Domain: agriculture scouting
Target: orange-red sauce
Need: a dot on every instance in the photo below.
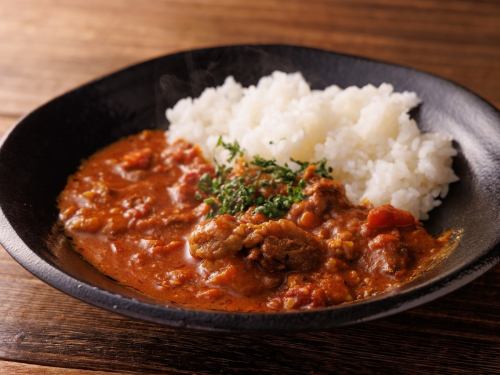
(132, 206)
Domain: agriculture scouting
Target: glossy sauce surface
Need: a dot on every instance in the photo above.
(133, 211)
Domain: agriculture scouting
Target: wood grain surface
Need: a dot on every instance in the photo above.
(50, 46)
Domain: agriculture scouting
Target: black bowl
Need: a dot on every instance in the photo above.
(45, 147)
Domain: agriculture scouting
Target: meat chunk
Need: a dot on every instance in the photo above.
(324, 196)
(287, 253)
(217, 238)
(282, 245)
(387, 254)
(275, 245)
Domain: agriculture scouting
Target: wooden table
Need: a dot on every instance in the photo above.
(50, 46)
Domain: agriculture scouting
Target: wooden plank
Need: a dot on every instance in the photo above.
(75, 41)
(6, 122)
(41, 325)
(28, 369)
(50, 46)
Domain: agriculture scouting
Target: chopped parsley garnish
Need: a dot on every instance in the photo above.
(278, 205)
(321, 169)
(279, 173)
(268, 186)
(233, 148)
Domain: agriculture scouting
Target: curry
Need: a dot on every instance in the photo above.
(160, 218)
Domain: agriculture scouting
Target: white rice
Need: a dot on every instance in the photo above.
(365, 134)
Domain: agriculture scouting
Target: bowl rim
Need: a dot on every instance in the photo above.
(380, 306)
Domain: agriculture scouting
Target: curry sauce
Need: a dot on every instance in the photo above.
(136, 212)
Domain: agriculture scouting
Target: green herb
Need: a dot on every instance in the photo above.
(233, 148)
(280, 173)
(210, 202)
(321, 169)
(278, 205)
(231, 194)
(205, 183)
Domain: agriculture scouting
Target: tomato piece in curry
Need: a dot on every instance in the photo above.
(133, 210)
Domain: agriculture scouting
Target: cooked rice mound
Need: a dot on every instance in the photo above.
(365, 134)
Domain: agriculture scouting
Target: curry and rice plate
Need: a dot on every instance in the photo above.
(266, 198)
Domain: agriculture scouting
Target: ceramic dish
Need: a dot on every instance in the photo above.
(46, 146)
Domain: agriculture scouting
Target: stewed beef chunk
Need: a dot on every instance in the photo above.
(275, 245)
(282, 245)
(323, 196)
(216, 238)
